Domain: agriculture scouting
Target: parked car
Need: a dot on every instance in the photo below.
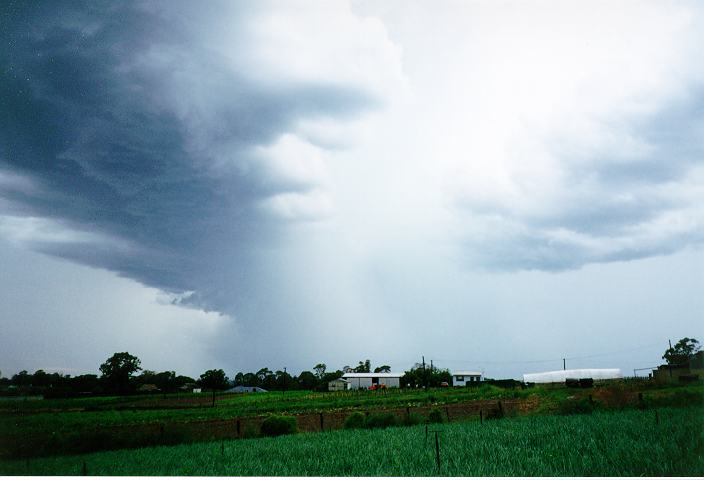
(444, 384)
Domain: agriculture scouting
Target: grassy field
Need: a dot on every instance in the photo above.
(46, 427)
(610, 443)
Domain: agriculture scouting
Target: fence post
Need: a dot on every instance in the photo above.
(321, 422)
(437, 450)
(447, 412)
(481, 417)
(238, 428)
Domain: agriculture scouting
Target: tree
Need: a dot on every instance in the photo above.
(118, 371)
(382, 369)
(214, 380)
(166, 381)
(364, 367)
(320, 370)
(307, 380)
(417, 376)
(682, 351)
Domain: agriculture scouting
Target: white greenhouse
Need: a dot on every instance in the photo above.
(559, 376)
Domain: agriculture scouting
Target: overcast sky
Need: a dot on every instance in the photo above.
(493, 185)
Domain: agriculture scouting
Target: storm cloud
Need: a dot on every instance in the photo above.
(149, 139)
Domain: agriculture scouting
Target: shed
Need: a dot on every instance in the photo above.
(462, 378)
(337, 385)
(560, 376)
(373, 380)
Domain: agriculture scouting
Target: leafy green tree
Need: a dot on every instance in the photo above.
(166, 381)
(382, 369)
(41, 379)
(118, 372)
(364, 367)
(239, 378)
(307, 380)
(22, 379)
(320, 370)
(214, 380)
(418, 376)
(85, 383)
(250, 380)
(682, 351)
(182, 380)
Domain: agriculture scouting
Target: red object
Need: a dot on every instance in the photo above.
(444, 384)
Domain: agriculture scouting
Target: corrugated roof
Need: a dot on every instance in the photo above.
(465, 372)
(370, 375)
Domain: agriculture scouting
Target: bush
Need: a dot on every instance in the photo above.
(277, 425)
(382, 420)
(573, 405)
(356, 420)
(250, 431)
(413, 419)
(435, 416)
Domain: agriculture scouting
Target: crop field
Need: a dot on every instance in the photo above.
(609, 443)
(38, 428)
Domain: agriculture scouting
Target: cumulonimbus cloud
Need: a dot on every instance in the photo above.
(160, 140)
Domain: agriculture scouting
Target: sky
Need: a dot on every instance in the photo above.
(494, 186)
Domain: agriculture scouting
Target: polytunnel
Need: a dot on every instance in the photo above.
(559, 376)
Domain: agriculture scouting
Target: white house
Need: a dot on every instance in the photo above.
(367, 380)
(464, 378)
(338, 385)
(559, 376)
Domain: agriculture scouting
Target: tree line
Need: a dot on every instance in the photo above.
(122, 374)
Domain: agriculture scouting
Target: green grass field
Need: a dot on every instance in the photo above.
(48, 427)
(611, 443)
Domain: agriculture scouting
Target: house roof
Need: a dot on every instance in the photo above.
(465, 372)
(339, 380)
(370, 375)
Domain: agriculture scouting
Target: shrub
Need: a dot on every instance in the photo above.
(382, 420)
(250, 431)
(277, 425)
(356, 420)
(413, 419)
(435, 416)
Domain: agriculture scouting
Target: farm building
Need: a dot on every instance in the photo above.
(689, 371)
(463, 378)
(244, 389)
(559, 376)
(337, 385)
(368, 380)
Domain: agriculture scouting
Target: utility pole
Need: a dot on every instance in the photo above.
(670, 363)
(425, 377)
(431, 369)
(564, 365)
(285, 381)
